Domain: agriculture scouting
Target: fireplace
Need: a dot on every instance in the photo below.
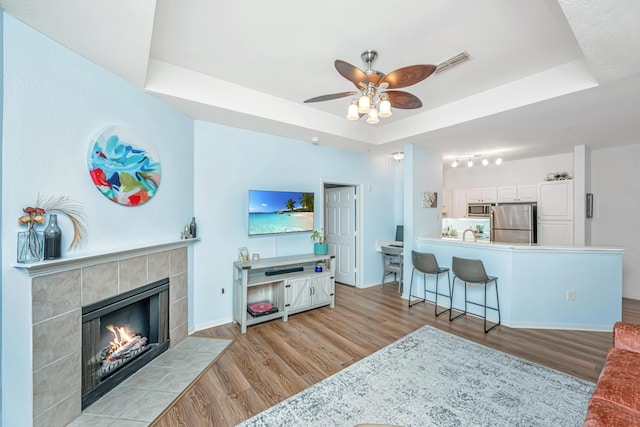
(120, 335)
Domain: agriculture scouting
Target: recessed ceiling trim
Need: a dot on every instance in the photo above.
(447, 64)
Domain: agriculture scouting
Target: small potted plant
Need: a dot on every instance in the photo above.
(321, 247)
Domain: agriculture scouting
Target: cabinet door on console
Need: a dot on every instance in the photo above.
(322, 290)
(298, 293)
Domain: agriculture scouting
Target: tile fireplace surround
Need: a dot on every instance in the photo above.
(58, 295)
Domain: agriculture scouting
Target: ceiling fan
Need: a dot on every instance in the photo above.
(373, 97)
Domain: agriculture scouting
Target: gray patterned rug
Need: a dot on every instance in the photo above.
(433, 378)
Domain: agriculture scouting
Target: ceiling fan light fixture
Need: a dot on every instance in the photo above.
(352, 112)
(371, 85)
(385, 106)
(485, 162)
(499, 161)
(364, 104)
(372, 118)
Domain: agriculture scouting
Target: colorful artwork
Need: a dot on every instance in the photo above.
(124, 170)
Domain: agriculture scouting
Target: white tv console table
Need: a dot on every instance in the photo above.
(290, 292)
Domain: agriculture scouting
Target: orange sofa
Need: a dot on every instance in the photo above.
(616, 398)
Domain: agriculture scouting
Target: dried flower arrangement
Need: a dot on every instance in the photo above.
(32, 248)
(64, 205)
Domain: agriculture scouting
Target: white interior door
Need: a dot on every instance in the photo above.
(340, 228)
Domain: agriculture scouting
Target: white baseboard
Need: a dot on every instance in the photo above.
(561, 326)
(371, 285)
(209, 324)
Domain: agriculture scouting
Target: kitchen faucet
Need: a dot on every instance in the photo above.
(464, 235)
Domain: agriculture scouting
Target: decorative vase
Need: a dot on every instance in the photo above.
(320, 248)
(192, 227)
(52, 238)
(30, 246)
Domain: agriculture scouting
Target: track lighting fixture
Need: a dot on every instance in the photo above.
(483, 158)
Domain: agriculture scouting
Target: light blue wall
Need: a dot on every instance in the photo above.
(229, 162)
(54, 103)
(1, 150)
(423, 172)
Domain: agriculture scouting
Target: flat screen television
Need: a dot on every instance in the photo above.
(276, 212)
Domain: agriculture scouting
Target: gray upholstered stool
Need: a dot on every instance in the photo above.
(472, 271)
(426, 263)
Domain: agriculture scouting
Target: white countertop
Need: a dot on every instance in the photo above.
(459, 238)
(525, 247)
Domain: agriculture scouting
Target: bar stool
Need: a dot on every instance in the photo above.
(426, 263)
(472, 271)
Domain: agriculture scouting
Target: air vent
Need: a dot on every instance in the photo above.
(447, 64)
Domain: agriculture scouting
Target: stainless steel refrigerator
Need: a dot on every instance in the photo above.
(514, 223)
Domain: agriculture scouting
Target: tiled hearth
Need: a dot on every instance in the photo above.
(143, 396)
(57, 300)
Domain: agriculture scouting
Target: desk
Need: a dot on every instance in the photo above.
(381, 243)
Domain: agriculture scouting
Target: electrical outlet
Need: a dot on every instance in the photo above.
(571, 295)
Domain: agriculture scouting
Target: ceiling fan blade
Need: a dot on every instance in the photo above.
(403, 100)
(408, 76)
(352, 73)
(330, 97)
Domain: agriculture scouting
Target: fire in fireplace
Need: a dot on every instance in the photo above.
(124, 347)
(122, 334)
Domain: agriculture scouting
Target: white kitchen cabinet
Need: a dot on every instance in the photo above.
(528, 193)
(482, 195)
(555, 200)
(518, 193)
(555, 233)
(446, 202)
(308, 292)
(474, 195)
(458, 203)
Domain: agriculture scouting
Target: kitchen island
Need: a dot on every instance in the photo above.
(549, 287)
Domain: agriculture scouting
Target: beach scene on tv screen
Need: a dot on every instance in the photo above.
(273, 212)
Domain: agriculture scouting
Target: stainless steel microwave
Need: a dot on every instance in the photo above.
(479, 209)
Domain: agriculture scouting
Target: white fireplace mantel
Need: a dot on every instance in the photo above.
(68, 263)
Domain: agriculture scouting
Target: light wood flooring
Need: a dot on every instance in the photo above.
(275, 360)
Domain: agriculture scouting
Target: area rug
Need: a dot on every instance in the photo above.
(433, 378)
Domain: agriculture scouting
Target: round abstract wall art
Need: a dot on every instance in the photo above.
(122, 167)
